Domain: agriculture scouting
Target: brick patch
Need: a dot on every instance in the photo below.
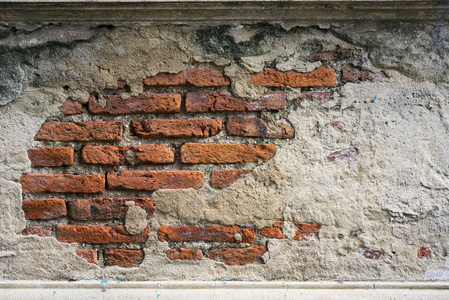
(71, 107)
(357, 75)
(330, 55)
(306, 231)
(207, 233)
(43, 209)
(51, 156)
(81, 131)
(143, 103)
(40, 230)
(224, 178)
(193, 76)
(238, 256)
(318, 77)
(62, 183)
(123, 258)
(184, 254)
(176, 128)
(273, 232)
(255, 127)
(98, 234)
(424, 252)
(90, 255)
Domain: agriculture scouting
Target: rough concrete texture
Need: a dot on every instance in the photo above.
(392, 197)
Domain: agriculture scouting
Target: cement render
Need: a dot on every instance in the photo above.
(393, 195)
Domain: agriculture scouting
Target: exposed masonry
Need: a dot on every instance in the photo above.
(69, 143)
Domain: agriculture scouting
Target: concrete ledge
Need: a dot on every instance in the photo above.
(221, 290)
(221, 12)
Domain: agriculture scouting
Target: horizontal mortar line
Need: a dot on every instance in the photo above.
(174, 285)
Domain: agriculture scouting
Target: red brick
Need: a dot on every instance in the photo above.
(316, 96)
(82, 131)
(51, 156)
(191, 77)
(318, 77)
(371, 254)
(43, 209)
(357, 75)
(123, 258)
(121, 84)
(186, 128)
(154, 180)
(63, 183)
(424, 252)
(105, 208)
(224, 101)
(306, 231)
(41, 230)
(224, 178)
(143, 103)
(207, 233)
(212, 153)
(71, 107)
(98, 234)
(125, 155)
(90, 255)
(339, 125)
(343, 154)
(255, 127)
(238, 256)
(274, 232)
(330, 55)
(184, 254)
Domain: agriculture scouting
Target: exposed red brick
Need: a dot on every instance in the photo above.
(371, 254)
(207, 233)
(176, 128)
(90, 255)
(184, 254)
(121, 84)
(62, 183)
(105, 208)
(191, 77)
(224, 101)
(316, 96)
(306, 231)
(71, 107)
(340, 126)
(212, 153)
(154, 180)
(274, 232)
(357, 75)
(123, 258)
(51, 156)
(238, 256)
(142, 103)
(43, 209)
(330, 55)
(318, 77)
(125, 155)
(98, 234)
(424, 252)
(40, 230)
(255, 127)
(82, 131)
(224, 178)
(343, 154)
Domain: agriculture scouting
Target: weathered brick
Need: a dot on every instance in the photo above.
(357, 75)
(40, 230)
(255, 127)
(191, 77)
(186, 128)
(424, 252)
(207, 233)
(306, 231)
(330, 55)
(123, 258)
(340, 126)
(44, 209)
(318, 77)
(51, 156)
(81, 131)
(224, 101)
(224, 178)
(316, 96)
(98, 234)
(90, 255)
(212, 153)
(105, 208)
(238, 256)
(142, 103)
(63, 183)
(154, 180)
(274, 232)
(370, 254)
(184, 254)
(343, 154)
(125, 155)
(71, 107)
(121, 84)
